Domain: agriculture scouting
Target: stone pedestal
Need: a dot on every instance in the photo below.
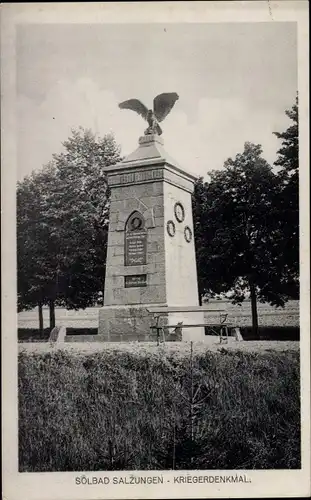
(151, 255)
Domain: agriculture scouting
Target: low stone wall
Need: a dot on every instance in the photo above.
(58, 334)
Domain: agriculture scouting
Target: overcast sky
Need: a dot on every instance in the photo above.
(234, 82)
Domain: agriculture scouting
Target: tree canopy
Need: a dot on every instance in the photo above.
(237, 231)
(62, 219)
(288, 198)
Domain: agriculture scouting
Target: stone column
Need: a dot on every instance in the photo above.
(151, 255)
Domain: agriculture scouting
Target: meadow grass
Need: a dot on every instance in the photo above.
(115, 410)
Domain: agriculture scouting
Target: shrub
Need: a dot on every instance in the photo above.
(33, 335)
(117, 410)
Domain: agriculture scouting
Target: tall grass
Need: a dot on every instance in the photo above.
(125, 411)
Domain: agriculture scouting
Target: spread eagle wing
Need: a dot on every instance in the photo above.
(163, 103)
(135, 105)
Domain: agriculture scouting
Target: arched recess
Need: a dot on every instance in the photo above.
(135, 240)
(135, 222)
(136, 206)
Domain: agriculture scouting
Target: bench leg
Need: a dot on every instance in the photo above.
(158, 335)
(157, 327)
(163, 335)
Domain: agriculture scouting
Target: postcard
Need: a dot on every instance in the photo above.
(155, 250)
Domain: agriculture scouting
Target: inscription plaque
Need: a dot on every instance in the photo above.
(135, 280)
(135, 248)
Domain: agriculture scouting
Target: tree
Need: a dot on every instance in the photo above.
(199, 207)
(66, 206)
(288, 154)
(237, 241)
(33, 254)
(288, 199)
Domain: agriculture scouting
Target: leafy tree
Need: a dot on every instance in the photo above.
(288, 199)
(237, 231)
(67, 206)
(288, 154)
(33, 254)
(199, 207)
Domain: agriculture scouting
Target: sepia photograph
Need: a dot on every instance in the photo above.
(159, 253)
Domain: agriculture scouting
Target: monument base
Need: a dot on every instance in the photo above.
(125, 324)
(132, 323)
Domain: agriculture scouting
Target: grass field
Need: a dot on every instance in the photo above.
(158, 408)
(274, 323)
(241, 315)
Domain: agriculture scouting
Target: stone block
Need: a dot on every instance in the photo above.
(116, 206)
(132, 204)
(159, 267)
(157, 278)
(151, 269)
(108, 294)
(120, 226)
(116, 265)
(124, 324)
(61, 335)
(132, 295)
(117, 281)
(129, 270)
(147, 190)
(150, 201)
(128, 192)
(172, 177)
(157, 188)
(158, 210)
(155, 293)
(150, 222)
(115, 238)
(159, 222)
(54, 334)
(118, 250)
(113, 219)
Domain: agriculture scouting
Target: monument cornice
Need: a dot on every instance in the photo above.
(156, 163)
(153, 172)
(149, 163)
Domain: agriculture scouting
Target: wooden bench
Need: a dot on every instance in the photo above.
(159, 312)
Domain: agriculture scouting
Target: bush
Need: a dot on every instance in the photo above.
(81, 331)
(272, 333)
(33, 335)
(117, 410)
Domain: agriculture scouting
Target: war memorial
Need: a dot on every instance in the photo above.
(151, 254)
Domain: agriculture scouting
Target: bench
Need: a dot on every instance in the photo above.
(158, 312)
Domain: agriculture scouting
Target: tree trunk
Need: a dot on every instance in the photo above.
(40, 311)
(52, 314)
(200, 294)
(254, 309)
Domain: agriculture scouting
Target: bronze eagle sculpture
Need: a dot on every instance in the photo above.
(162, 105)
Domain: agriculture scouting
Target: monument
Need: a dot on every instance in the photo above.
(151, 254)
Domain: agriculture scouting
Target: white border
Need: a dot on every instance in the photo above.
(50, 486)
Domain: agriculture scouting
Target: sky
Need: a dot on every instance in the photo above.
(234, 82)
